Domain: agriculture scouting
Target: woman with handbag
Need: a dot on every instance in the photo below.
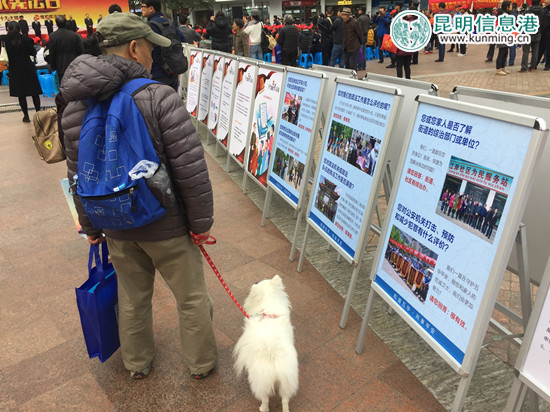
(22, 71)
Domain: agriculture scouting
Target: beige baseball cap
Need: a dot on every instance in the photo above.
(120, 28)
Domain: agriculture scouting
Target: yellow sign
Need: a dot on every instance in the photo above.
(344, 2)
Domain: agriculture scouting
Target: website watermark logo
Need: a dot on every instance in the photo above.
(410, 31)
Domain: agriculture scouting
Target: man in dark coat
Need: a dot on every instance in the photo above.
(24, 26)
(324, 24)
(89, 25)
(288, 40)
(191, 36)
(37, 27)
(71, 24)
(219, 30)
(353, 34)
(65, 46)
(337, 30)
(49, 25)
(150, 9)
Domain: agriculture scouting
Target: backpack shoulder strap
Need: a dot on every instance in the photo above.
(136, 85)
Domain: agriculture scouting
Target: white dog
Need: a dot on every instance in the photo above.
(266, 348)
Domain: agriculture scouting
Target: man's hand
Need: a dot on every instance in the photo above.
(96, 239)
(200, 238)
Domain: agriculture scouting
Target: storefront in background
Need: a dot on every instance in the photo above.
(302, 9)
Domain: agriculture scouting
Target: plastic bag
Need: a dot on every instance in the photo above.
(144, 168)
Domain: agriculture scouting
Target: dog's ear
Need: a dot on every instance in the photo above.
(277, 279)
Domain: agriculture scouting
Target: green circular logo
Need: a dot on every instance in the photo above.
(410, 31)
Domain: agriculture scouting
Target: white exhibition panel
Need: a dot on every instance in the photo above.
(535, 217)
(433, 266)
(206, 84)
(216, 92)
(242, 109)
(226, 101)
(194, 81)
(265, 115)
(295, 132)
(356, 130)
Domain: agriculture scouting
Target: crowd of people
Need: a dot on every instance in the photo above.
(465, 209)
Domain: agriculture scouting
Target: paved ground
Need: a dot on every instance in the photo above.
(43, 362)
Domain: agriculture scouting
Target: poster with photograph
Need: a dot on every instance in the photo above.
(453, 197)
(193, 87)
(226, 102)
(242, 110)
(355, 131)
(206, 83)
(264, 121)
(216, 94)
(294, 133)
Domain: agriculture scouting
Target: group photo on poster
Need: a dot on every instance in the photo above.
(291, 108)
(473, 197)
(288, 169)
(266, 110)
(409, 263)
(353, 146)
(326, 199)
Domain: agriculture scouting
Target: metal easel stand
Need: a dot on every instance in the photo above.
(518, 393)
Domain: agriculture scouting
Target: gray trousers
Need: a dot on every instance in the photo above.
(180, 264)
(534, 49)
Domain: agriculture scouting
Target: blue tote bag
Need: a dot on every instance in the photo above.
(98, 306)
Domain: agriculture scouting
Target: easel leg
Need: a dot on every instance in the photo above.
(303, 251)
(227, 163)
(349, 295)
(461, 392)
(267, 205)
(245, 180)
(365, 324)
(293, 248)
(524, 282)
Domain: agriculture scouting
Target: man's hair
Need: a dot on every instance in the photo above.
(152, 3)
(183, 18)
(289, 19)
(220, 13)
(239, 22)
(113, 8)
(329, 10)
(61, 22)
(442, 5)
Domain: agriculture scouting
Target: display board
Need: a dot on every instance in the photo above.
(194, 81)
(205, 87)
(242, 109)
(226, 102)
(533, 363)
(295, 138)
(410, 89)
(265, 118)
(346, 182)
(435, 264)
(216, 93)
(535, 217)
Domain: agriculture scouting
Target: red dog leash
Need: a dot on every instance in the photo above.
(196, 239)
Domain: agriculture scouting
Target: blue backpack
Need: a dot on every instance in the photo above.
(113, 140)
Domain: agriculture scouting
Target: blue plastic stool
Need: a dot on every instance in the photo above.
(309, 60)
(377, 53)
(303, 61)
(318, 58)
(42, 71)
(47, 84)
(267, 57)
(369, 53)
(5, 79)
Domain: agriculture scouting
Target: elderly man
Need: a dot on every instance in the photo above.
(353, 34)
(165, 244)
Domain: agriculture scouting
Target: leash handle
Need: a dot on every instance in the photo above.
(215, 269)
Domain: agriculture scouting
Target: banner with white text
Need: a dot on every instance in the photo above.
(206, 83)
(216, 94)
(193, 86)
(226, 101)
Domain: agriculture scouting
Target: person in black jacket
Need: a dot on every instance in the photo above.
(37, 27)
(24, 26)
(89, 25)
(65, 46)
(288, 40)
(71, 24)
(49, 25)
(22, 72)
(219, 31)
(324, 23)
(337, 30)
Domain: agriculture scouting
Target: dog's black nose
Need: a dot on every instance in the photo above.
(256, 283)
